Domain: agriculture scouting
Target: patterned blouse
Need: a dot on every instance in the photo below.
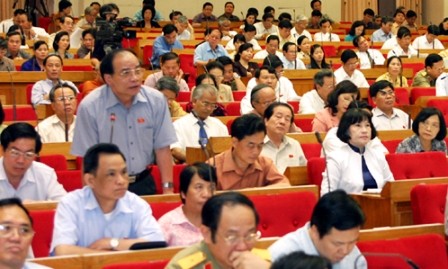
(412, 145)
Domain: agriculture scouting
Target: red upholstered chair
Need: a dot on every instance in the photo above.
(24, 113)
(147, 53)
(229, 125)
(311, 150)
(391, 145)
(295, 106)
(441, 104)
(401, 96)
(55, 161)
(78, 68)
(304, 123)
(418, 165)
(70, 179)
(183, 97)
(315, 167)
(187, 65)
(428, 203)
(43, 226)
(139, 265)
(284, 212)
(29, 89)
(415, 66)
(233, 109)
(421, 91)
(160, 208)
(238, 95)
(330, 51)
(177, 169)
(78, 163)
(426, 251)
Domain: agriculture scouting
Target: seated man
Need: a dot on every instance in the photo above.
(90, 85)
(411, 17)
(170, 66)
(384, 33)
(325, 33)
(14, 42)
(67, 25)
(289, 58)
(205, 16)
(299, 28)
(184, 30)
(368, 57)
(41, 89)
(284, 33)
(313, 23)
(165, 43)
(6, 64)
(87, 45)
(261, 97)
(103, 216)
(427, 77)
(89, 20)
(332, 233)
(224, 25)
(16, 235)
(403, 46)
(283, 150)
(429, 40)
(170, 89)
(249, 32)
(60, 126)
(314, 101)
(348, 70)
(229, 227)
(210, 49)
(198, 121)
(271, 48)
(31, 32)
(266, 27)
(230, 78)
(229, 7)
(21, 176)
(242, 166)
(385, 116)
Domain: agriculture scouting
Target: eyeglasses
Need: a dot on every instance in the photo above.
(386, 93)
(29, 155)
(430, 125)
(6, 230)
(66, 98)
(233, 239)
(202, 187)
(127, 73)
(210, 105)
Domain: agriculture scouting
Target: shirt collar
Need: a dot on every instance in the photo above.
(230, 165)
(92, 202)
(112, 100)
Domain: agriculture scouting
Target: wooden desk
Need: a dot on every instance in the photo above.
(60, 148)
(392, 207)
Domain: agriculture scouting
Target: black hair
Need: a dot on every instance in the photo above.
(92, 157)
(300, 40)
(201, 77)
(386, 19)
(63, 4)
(378, 86)
(284, 16)
(207, 4)
(286, 46)
(20, 130)
(175, 13)
(225, 60)
(316, 13)
(62, 18)
(301, 260)
(39, 43)
(90, 31)
(19, 11)
(59, 86)
(255, 91)
(272, 37)
(410, 13)
(369, 11)
(267, 16)
(433, 30)
(229, 2)
(12, 31)
(273, 61)
(268, 9)
(285, 24)
(212, 210)
(201, 169)
(423, 115)
(324, 20)
(354, 116)
(214, 65)
(359, 104)
(337, 210)
(242, 48)
(345, 86)
(150, 7)
(356, 40)
(169, 28)
(355, 25)
(252, 11)
(106, 66)
(95, 3)
(403, 32)
(58, 37)
(398, 11)
(313, 63)
(239, 37)
(14, 201)
(347, 55)
(268, 68)
(169, 56)
(247, 125)
(249, 28)
(313, 2)
(270, 110)
(432, 58)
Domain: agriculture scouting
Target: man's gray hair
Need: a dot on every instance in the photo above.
(319, 76)
(199, 91)
(167, 83)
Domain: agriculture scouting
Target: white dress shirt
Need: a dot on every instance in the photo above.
(357, 78)
(289, 153)
(442, 85)
(398, 51)
(52, 130)
(262, 54)
(292, 65)
(398, 121)
(261, 30)
(253, 41)
(326, 37)
(421, 42)
(297, 35)
(311, 103)
(366, 63)
(390, 43)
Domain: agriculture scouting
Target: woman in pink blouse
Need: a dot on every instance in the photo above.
(337, 103)
(181, 225)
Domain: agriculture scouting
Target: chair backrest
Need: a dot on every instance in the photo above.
(294, 105)
(421, 91)
(418, 165)
(24, 113)
(283, 212)
(56, 161)
(183, 97)
(29, 90)
(391, 145)
(426, 251)
(43, 226)
(428, 203)
(441, 104)
(70, 179)
(311, 150)
(238, 95)
(233, 109)
(139, 265)
(177, 169)
(147, 53)
(401, 96)
(315, 168)
(160, 208)
(306, 124)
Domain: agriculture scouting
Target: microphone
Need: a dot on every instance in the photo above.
(14, 101)
(242, 15)
(409, 121)
(112, 119)
(331, 64)
(321, 142)
(66, 126)
(385, 257)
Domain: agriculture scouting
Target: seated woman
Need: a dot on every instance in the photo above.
(429, 133)
(358, 28)
(303, 47)
(36, 63)
(283, 150)
(337, 103)
(356, 166)
(181, 225)
(394, 72)
(243, 65)
(238, 40)
(61, 45)
(317, 60)
(216, 69)
(249, 20)
(148, 13)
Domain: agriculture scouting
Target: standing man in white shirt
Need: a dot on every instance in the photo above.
(325, 34)
(348, 70)
(289, 58)
(429, 40)
(368, 57)
(198, 125)
(315, 100)
(299, 28)
(266, 27)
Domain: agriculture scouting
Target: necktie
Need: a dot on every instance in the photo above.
(203, 138)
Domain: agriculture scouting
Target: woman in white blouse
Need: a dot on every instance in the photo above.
(356, 166)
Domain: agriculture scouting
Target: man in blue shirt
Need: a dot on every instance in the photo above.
(384, 33)
(165, 43)
(210, 49)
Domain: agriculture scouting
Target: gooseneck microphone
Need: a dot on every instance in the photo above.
(382, 255)
(321, 142)
(112, 119)
(66, 125)
(14, 100)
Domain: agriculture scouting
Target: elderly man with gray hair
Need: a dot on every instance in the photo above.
(197, 126)
(89, 20)
(299, 28)
(184, 29)
(170, 89)
(314, 101)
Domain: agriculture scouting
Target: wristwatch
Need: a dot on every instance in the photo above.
(167, 185)
(114, 243)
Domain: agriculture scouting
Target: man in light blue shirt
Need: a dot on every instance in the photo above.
(332, 233)
(211, 49)
(103, 216)
(384, 33)
(165, 43)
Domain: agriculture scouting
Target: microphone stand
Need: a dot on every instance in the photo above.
(14, 100)
(66, 125)
(112, 119)
(321, 142)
